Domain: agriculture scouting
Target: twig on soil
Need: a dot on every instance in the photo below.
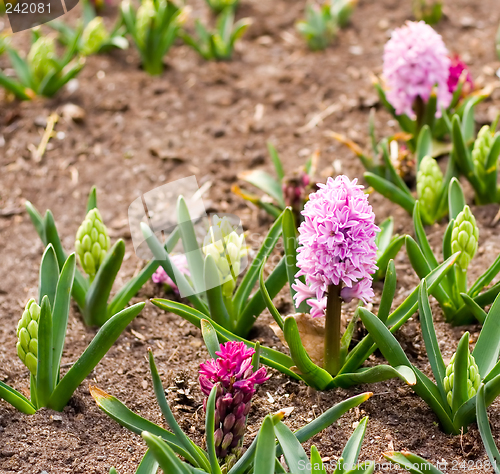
(318, 118)
(37, 153)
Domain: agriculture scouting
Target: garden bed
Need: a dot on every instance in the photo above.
(213, 120)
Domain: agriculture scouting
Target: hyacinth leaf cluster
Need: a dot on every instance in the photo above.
(219, 43)
(483, 424)
(422, 84)
(461, 304)
(322, 22)
(388, 245)
(410, 462)
(91, 293)
(429, 11)
(461, 379)
(477, 162)
(153, 28)
(41, 72)
(473, 378)
(214, 265)
(41, 334)
(280, 191)
(168, 446)
(92, 243)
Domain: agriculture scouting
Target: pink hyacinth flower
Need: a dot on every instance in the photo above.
(415, 61)
(161, 277)
(457, 68)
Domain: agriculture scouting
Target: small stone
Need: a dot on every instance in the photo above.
(73, 112)
(356, 50)
(144, 384)
(467, 22)
(383, 24)
(57, 418)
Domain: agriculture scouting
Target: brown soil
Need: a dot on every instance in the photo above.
(200, 118)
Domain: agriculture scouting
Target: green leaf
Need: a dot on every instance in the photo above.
(16, 399)
(388, 292)
(430, 338)
(485, 430)
(389, 254)
(164, 455)
(190, 244)
(424, 144)
(22, 69)
(391, 191)
(421, 238)
(266, 448)
(252, 274)
(210, 337)
(95, 351)
(447, 240)
(218, 310)
(351, 451)
(265, 182)
(44, 382)
(316, 462)
(269, 303)
(15, 87)
(383, 238)
(96, 301)
(37, 221)
(486, 278)
(456, 198)
(295, 456)
(61, 312)
(148, 465)
(461, 370)
(478, 312)
(487, 347)
(276, 161)
(188, 445)
(378, 373)
(49, 274)
(312, 374)
(209, 432)
(92, 200)
(256, 357)
(329, 417)
(410, 462)
(135, 423)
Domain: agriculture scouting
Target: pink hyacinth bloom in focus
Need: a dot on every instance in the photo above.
(233, 373)
(337, 244)
(415, 61)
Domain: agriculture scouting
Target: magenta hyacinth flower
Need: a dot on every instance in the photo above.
(233, 373)
(415, 61)
(161, 277)
(337, 244)
(457, 68)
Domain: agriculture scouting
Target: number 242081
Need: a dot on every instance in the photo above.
(27, 8)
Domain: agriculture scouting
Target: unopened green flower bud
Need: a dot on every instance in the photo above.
(473, 378)
(27, 335)
(92, 242)
(93, 36)
(464, 237)
(227, 248)
(429, 181)
(39, 56)
(482, 146)
(145, 15)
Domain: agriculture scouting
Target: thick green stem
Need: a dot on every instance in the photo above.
(461, 280)
(419, 109)
(332, 330)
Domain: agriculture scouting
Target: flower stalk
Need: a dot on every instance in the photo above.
(333, 329)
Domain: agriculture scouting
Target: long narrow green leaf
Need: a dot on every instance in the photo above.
(61, 312)
(456, 198)
(389, 254)
(92, 199)
(49, 274)
(148, 465)
(44, 383)
(210, 337)
(375, 374)
(135, 423)
(424, 143)
(478, 312)
(37, 221)
(422, 238)
(266, 448)
(295, 456)
(209, 432)
(316, 462)
(269, 302)
(190, 244)
(484, 429)
(388, 292)
(311, 373)
(16, 399)
(430, 338)
(164, 454)
(265, 182)
(461, 373)
(352, 449)
(22, 68)
(390, 191)
(252, 274)
(276, 161)
(330, 416)
(487, 347)
(411, 465)
(189, 446)
(96, 300)
(213, 289)
(485, 279)
(95, 351)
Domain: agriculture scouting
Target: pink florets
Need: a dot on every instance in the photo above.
(457, 68)
(232, 368)
(337, 243)
(160, 276)
(415, 61)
